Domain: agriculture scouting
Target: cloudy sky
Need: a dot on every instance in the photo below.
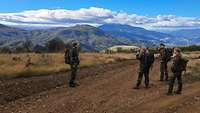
(170, 14)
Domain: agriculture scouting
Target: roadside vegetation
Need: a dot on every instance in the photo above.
(193, 71)
(39, 64)
(191, 48)
(31, 64)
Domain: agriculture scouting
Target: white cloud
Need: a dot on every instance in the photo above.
(93, 16)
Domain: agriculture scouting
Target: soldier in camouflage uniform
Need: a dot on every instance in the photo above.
(177, 69)
(145, 63)
(163, 63)
(74, 62)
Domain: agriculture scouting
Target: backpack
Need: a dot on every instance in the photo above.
(67, 56)
(183, 64)
(169, 54)
(151, 59)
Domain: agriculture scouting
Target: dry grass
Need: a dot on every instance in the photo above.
(24, 65)
(193, 55)
(193, 71)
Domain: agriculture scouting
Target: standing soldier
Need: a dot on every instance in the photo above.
(72, 58)
(145, 63)
(178, 66)
(163, 63)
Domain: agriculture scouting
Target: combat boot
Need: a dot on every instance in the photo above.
(169, 94)
(136, 87)
(72, 85)
(147, 87)
(178, 92)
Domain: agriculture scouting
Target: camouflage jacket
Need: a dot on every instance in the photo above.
(74, 56)
(163, 55)
(176, 65)
(146, 61)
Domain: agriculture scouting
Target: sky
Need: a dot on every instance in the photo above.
(150, 14)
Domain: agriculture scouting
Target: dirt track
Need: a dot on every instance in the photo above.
(104, 89)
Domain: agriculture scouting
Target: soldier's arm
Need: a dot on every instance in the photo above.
(77, 55)
(164, 55)
(153, 58)
(151, 66)
(138, 56)
(66, 55)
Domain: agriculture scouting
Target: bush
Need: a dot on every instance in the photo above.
(191, 48)
(56, 45)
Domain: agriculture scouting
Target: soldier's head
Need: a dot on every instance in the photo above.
(74, 44)
(142, 50)
(162, 45)
(177, 51)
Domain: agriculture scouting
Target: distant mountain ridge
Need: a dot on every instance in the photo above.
(192, 36)
(140, 35)
(92, 38)
(135, 33)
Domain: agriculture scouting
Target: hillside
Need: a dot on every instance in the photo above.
(138, 34)
(191, 36)
(147, 37)
(11, 35)
(91, 38)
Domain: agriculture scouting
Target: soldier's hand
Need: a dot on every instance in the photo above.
(152, 67)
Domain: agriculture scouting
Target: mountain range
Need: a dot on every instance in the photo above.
(97, 38)
(190, 36)
(91, 38)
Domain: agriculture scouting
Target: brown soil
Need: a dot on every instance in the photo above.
(103, 89)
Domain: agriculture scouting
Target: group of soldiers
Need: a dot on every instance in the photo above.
(146, 59)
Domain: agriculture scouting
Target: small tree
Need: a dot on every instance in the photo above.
(56, 45)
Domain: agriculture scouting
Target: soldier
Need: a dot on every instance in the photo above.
(72, 58)
(145, 63)
(163, 63)
(178, 66)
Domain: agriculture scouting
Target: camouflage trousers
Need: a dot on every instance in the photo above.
(140, 77)
(178, 76)
(73, 73)
(163, 71)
